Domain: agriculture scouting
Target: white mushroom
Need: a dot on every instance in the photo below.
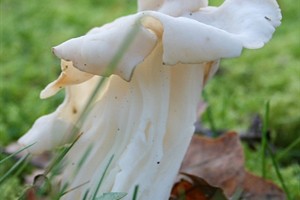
(145, 115)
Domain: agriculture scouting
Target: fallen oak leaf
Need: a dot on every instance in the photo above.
(220, 162)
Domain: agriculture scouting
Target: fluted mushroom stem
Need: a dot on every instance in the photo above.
(146, 124)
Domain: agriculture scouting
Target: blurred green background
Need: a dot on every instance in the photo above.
(28, 31)
(30, 28)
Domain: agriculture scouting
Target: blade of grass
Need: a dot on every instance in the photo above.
(266, 149)
(224, 106)
(276, 167)
(102, 178)
(264, 138)
(83, 159)
(15, 153)
(22, 166)
(237, 194)
(13, 169)
(72, 189)
(86, 194)
(287, 149)
(112, 196)
(135, 192)
(60, 156)
(58, 194)
(209, 116)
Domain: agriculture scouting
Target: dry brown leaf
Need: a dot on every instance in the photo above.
(191, 187)
(256, 188)
(186, 189)
(221, 163)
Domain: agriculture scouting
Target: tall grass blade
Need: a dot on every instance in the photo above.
(237, 194)
(58, 194)
(276, 167)
(209, 116)
(15, 153)
(264, 142)
(102, 178)
(60, 156)
(22, 167)
(13, 169)
(72, 189)
(135, 192)
(86, 194)
(83, 159)
(287, 149)
(112, 196)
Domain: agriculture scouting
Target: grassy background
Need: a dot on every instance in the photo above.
(28, 30)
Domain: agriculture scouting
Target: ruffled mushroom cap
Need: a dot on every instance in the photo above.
(205, 35)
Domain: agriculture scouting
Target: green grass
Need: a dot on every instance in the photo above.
(12, 186)
(28, 30)
(290, 173)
